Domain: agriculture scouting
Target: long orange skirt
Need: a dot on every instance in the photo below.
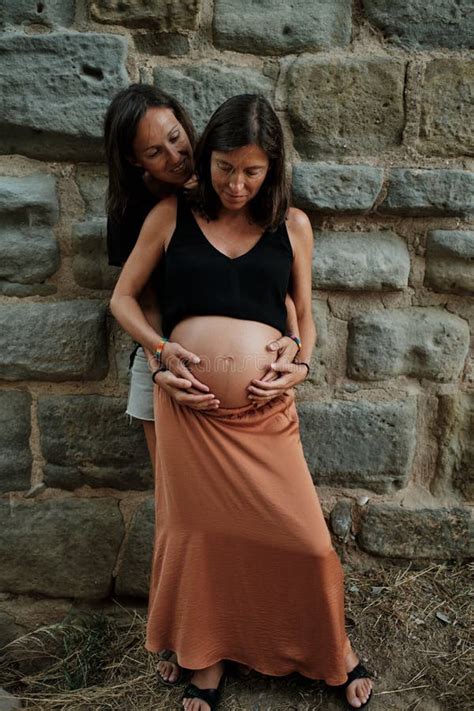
(243, 564)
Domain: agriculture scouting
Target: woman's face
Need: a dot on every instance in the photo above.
(238, 175)
(162, 147)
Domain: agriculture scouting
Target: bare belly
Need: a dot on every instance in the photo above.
(232, 353)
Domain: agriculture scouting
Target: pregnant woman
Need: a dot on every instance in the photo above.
(243, 565)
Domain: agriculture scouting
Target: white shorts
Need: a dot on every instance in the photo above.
(140, 392)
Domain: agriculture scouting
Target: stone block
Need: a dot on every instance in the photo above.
(162, 43)
(447, 107)
(421, 342)
(55, 89)
(15, 429)
(321, 356)
(64, 340)
(92, 182)
(274, 28)
(133, 578)
(456, 442)
(416, 24)
(346, 105)
(450, 261)
(329, 188)
(87, 439)
(8, 702)
(9, 631)
(29, 253)
(167, 16)
(392, 531)
(370, 261)
(47, 12)
(416, 192)
(204, 86)
(341, 518)
(90, 264)
(359, 443)
(60, 548)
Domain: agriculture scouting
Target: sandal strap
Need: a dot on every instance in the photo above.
(359, 672)
(210, 696)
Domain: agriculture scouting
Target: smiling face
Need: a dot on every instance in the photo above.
(162, 148)
(238, 175)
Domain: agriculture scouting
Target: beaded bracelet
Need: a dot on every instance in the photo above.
(159, 348)
(296, 339)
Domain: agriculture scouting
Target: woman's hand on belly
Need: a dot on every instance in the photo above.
(177, 360)
(181, 390)
(281, 376)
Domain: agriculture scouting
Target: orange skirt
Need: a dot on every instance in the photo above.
(243, 564)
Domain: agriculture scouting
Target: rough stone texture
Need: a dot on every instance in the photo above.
(87, 439)
(92, 183)
(371, 261)
(414, 191)
(15, 428)
(321, 356)
(390, 530)
(134, 574)
(341, 518)
(8, 702)
(58, 341)
(456, 441)
(163, 43)
(450, 261)
(447, 107)
(167, 16)
(205, 86)
(47, 12)
(271, 28)
(359, 443)
(28, 249)
(90, 260)
(328, 187)
(421, 342)
(416, 24)
(348, 105)
(65, 81)
(60, 548)
(9, 631)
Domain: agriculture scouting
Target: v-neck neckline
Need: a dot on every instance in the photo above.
(226, 256)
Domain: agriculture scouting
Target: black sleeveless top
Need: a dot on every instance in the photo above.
(202, 281)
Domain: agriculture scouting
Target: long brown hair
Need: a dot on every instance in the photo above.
(245, 119)
(121, 121)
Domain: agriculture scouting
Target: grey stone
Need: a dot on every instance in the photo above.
(321, 356)
(90, 264)
(359, 443)
(28, 256)
(30, 200)
(267, 27)
(456, 442)
(9, 631)
(204, 86)
(133, 577)
(58, 341)
(416, 24)
(163, 43)
(447, 107)
(65, 81)
(450, 261)
(396, 532)
(422, 342)
(414, 191)
(168, 16)
(341, 518)
(346, 105)
(370, 261)
(60, 548)
(8, 702)
(92, 183)
(328, 187)
(87, 439)
(46, 12)
(15, 429)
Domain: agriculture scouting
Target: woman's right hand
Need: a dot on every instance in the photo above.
(177, 359)
(181, 390)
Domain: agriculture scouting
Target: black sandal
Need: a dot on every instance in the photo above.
(210, 696)
(165, 656)
(359, 672)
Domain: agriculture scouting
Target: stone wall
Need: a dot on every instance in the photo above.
(376, 99)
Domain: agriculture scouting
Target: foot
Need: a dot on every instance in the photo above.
(358, 691)
(208, 678)
(168, 668)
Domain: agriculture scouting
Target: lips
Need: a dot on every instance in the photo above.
(180, 168)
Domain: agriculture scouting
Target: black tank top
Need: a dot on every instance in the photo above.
(202, 281)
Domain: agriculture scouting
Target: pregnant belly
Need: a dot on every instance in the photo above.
(232, 353)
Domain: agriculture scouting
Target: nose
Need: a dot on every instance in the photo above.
(174, 155)
(236, 182)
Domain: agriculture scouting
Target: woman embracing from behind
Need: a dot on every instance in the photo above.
(243, 565)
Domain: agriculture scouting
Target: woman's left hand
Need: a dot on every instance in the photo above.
(282, 375)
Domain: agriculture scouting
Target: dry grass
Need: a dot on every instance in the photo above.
(411, 627)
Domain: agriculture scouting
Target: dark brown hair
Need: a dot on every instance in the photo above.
(246, 119)
(121, 121)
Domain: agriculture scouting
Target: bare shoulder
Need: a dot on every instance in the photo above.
(297, 219)
(163, 211)
(299, 229)
(160, 222)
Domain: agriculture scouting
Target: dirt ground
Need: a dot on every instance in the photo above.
(409, 625)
